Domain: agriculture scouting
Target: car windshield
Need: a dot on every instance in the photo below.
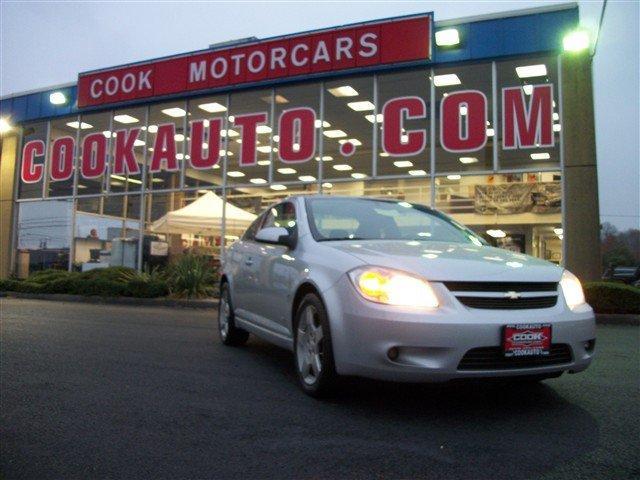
(370, 219)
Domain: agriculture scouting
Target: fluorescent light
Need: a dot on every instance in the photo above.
(558, 231)
(322, 123)
(57, 98)
(258, 181)
(528, 89)
(528, 71)
(454, 177)
(327, 185)
(575, 41)
(334, 133)
(446, 80)
(264, 149)
(235, 173)
(417, 173)
(342, 167)
(325, 158)
(403, 164)
(263, 163)
(556, 116)
(490, 132)
(496, 233)
(5, 126)
(178, 137)
(307, 178)
(263, 129)
(213, 107)
(107, 134)
(358, 175)
(276, 138)
(278, 187)
(463, 110)
(138, 143)
(540, 156)
(344, 91)
(556, 127)
(179, 156)
(124, 118)
(384, 154)
(230, 132)
(152, 129)
(125, 179)
(448, 37)
(467, 160)
(174, 112)
(82, 125)
(372, 118)
(361, 106)
(354, 141)
(287, 171)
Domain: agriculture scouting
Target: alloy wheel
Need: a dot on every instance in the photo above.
(309, 345)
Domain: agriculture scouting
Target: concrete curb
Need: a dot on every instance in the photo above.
(601, 318)
(131, 301)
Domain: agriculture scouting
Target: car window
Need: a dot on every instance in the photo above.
(250, 234)
(281, 215)
(370, 219)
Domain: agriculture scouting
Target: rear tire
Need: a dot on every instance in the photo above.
(313, 351)
(229, 334)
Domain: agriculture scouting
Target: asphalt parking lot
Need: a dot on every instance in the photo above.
(101, 391)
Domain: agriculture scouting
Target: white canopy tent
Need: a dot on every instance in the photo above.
(203, 217)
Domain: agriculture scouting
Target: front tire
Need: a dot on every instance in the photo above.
(229, 334)
(313, 352)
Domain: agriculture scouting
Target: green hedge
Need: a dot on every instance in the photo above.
(104, 282)
(612, 297)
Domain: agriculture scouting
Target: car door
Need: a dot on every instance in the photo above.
(277, 271)
(242, 270)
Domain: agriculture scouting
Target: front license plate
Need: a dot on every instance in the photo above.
(526, 340)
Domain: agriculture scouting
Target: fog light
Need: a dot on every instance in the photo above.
(590, 345)
(393, 353)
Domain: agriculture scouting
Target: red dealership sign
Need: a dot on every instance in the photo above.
(356, 46)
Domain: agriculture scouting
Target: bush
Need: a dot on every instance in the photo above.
(140, 288)
(192, 277)
(46, 276)
(113, 274)
(611, 297)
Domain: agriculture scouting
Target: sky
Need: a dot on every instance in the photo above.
(48, 43)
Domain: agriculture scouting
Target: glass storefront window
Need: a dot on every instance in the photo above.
(62, 156)
(347, 103)
(167, 137)
(287, 98)
(103, 235)
(125, 174)
(413, 83)
(207, 110)
(34, 140)
(530, 73)
(520, 212)
(95, 134)
(243, 104)
(465, 85)
(43, 236)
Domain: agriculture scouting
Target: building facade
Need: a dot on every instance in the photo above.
(488, 119)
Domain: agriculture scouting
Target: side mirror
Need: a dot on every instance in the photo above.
(275, 236)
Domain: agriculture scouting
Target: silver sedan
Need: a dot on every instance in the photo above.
(398, 291)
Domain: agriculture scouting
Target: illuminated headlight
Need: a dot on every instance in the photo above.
(572, 290)
(393, 287)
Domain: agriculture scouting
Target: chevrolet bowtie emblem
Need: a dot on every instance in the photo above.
(512, 295)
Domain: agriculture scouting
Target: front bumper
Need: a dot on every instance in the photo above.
(431, 343)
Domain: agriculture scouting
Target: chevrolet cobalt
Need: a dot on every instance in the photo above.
(398, 291)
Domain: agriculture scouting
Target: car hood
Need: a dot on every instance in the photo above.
(439, 261)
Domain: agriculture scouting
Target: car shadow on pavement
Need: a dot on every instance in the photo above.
(471, 429)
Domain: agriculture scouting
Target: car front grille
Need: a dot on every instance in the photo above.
(502, 286)
(505, 295)
(492, 303)
(492, 358)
